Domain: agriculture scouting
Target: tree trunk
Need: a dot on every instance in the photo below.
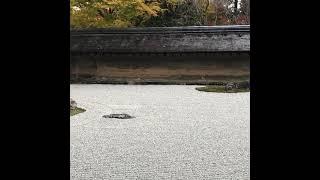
(235, 12)
(235, 6)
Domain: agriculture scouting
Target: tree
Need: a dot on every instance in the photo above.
(111, 13)
(176, 13)
(245, 11)
(128, 13)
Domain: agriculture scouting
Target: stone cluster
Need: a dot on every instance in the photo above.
(237, 85)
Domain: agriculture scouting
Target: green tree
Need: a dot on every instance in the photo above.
(145, 13)
(176, 13)
(111, 13)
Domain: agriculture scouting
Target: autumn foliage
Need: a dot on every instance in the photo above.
(141, 13)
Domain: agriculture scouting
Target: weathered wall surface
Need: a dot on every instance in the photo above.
(192, 55)
(159, 40)
(173, 70)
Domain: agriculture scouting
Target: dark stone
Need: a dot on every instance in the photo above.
(118, 116)
(244, 85)
(237, 85)
(231, 85)
(73, 104)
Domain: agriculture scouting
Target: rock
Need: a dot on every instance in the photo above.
(244, 85)
(230, 86)
(73, 104)
(118, 116)
(237, 85)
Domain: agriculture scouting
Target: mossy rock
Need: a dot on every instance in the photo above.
(76, 110)
(221, 89)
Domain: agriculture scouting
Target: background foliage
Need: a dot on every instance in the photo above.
(142, 13)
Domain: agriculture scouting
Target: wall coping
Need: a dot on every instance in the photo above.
(163, 30)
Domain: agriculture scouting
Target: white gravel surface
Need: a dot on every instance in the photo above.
(178, 133)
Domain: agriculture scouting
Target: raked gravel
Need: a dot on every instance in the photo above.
(177, 133)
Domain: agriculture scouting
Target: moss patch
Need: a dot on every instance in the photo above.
(76, 111)
(220, 89)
